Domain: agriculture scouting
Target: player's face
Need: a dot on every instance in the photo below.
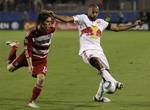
(93, 12)
(48, 23)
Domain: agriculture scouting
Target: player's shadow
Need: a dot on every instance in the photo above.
(4, 101)
(92, 105)
(70, 103)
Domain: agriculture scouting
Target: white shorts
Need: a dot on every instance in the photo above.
(86, 55)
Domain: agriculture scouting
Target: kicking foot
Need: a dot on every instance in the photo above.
(33, 105)
(12, 43)
(101, 99)
(119, 85)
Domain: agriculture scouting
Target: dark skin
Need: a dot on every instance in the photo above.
(92, 14)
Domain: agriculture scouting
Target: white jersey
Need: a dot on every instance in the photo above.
(89, 32)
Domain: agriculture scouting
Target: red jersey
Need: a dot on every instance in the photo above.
(37, 43)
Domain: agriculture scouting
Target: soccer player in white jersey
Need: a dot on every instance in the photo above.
(90, 32)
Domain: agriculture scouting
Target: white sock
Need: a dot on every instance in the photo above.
(107, 76)
(99, 92)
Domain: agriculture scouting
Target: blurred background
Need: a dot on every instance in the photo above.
(21, 14)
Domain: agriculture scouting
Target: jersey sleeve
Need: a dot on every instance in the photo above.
(78, 19)
(28, 45)
(103, 25)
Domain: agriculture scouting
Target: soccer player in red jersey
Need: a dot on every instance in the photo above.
(36, 48)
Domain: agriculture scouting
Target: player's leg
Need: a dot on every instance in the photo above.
(102, 67)
(86, 56)
(106, 76)
(99, 61)
(36, 90)
(99, 95)
(18, 62)
(39, 71)
(38, 87)
(12, 54)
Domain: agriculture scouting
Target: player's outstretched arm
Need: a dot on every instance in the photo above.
(28, 51)
(124, 27)
(62, 18)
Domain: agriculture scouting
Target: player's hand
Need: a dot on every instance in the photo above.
(48, 12)
(139, 22)
(51, 13)
(44, 11)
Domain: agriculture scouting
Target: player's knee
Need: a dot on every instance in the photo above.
(95, 63)
(40, 79)
(10, 67)
(104, 68)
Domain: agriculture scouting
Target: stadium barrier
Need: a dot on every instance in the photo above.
(14, 25)
(14, 20)
(115, 17)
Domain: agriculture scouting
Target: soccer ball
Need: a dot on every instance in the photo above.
(109, 87)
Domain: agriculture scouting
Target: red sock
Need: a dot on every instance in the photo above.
(35, 93)
(12, 54)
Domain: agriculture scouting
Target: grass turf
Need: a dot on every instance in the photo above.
(70, 83)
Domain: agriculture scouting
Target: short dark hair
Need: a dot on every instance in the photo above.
(43, 15)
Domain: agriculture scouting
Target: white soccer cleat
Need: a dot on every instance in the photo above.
(12, 43)
(33, 105)
(101, 99)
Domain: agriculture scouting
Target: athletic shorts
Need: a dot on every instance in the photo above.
(87, 54)
(39, 64)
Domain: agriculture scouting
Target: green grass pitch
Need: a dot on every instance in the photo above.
(71, 84)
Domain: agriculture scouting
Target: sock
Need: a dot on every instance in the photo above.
(35, 93)
(107, 76)
(12, 54)
(100, 91)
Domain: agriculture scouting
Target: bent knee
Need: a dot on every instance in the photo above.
(10, 67)
(40, 80)
(95, 63)
(98, 63)
(41, 77)
(93, 60)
